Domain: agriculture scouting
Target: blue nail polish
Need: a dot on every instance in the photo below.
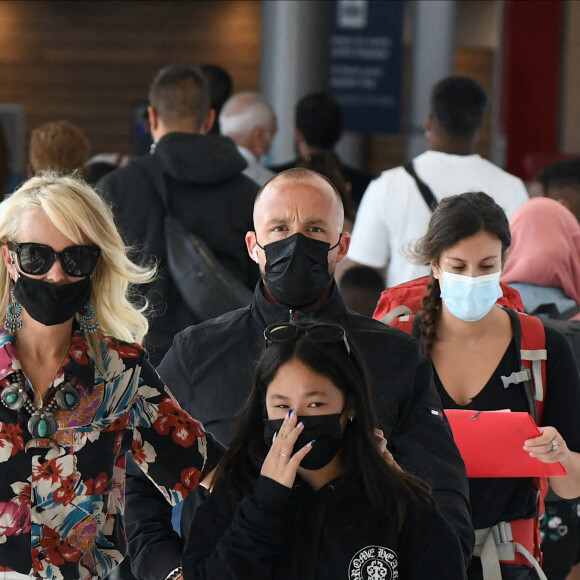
(290, 413)
(312, 442)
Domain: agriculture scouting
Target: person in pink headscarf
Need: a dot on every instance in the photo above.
(543, 262)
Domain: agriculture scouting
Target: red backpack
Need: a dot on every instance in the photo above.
(397, 307)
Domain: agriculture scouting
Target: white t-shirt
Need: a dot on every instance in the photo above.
(393, 214)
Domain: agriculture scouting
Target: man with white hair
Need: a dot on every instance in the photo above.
(249, 120)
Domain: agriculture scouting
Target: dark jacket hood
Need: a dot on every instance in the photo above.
(203, 159)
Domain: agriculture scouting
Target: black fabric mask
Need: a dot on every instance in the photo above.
(48, 303)
(325, 429)
(297, 269)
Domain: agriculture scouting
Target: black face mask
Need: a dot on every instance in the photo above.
(297, 269)
(48, 303)
(325, 429)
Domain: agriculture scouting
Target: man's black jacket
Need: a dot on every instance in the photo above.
(210, 196)
(209, 370)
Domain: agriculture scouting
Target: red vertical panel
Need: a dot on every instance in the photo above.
(531, 53)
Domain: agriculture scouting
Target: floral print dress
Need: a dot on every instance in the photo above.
(61, 508)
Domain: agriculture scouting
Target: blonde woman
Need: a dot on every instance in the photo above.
(76, 389)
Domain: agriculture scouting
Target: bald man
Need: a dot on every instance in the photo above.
(297, 241)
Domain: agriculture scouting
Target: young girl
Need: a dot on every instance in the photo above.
(303, 491)
(473, 343)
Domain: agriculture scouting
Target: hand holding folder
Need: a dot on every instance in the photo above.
(491, 444)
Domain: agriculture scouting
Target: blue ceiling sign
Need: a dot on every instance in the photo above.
(365, 63)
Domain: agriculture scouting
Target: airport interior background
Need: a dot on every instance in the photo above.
(91, 63)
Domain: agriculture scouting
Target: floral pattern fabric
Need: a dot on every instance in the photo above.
(61, 509)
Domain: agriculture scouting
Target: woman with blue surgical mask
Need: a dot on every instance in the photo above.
(473, 344)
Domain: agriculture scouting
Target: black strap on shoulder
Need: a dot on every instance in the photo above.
(156, 176)
(425, 190)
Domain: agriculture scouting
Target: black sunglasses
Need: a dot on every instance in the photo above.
(37, 259)
(319, 332)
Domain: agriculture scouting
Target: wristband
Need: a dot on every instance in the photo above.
(174, 574)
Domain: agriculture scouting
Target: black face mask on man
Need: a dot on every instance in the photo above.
(297, 269)
(325, 429)
(49, 303)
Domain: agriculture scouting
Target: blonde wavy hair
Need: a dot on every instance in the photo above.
(83, 216)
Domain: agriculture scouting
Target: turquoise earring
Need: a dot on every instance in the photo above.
(13, 311)
(88, 323)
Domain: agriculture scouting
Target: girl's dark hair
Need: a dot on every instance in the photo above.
(328, 164)
(386, 487)
(457, 217)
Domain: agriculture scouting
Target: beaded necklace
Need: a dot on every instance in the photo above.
(42, 423)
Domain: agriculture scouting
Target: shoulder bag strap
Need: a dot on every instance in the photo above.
(425, 190)
(156, 176)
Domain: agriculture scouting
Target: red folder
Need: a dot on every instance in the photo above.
(491, 444)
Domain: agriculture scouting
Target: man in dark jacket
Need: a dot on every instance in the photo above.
(298, 240)
(205, 187)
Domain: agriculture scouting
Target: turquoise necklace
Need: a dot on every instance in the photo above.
(42, 424)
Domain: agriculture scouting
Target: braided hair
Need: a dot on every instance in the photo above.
(457, 217)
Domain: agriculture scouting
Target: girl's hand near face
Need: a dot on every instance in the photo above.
(280, 465)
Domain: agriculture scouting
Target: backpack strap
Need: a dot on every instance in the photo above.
(534, 355)
(425, 190)
(502, 543)
(398, 311)
(156, 176)
(404, 323)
